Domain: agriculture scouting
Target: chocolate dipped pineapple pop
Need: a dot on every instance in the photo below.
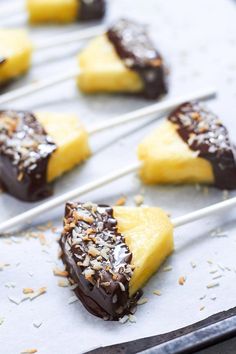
(124, 59)
(57, 11)
(192, 146)
(35, 149)
(111, 252)
(121, 60)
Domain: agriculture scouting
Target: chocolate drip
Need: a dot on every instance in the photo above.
(92, 9)
(203, 132)
(135, 48)
(25, 149)
(97, 260)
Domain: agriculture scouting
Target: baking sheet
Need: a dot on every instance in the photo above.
(198, 39)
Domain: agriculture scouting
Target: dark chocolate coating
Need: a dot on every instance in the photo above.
(137, 51)
(25, 149)
(92, 9)
(97, 260)
(204, 132)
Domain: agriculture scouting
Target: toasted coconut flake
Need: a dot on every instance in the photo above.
(40, 292)
(121, 201)
(142, 301)
(157, 292)
(29, 351)
(28, 290)
(93, 251)
(63, 283)
(60, 273)
(132, 319)
(167, 269)
(138, 199)
(213, 285)
(182, 280)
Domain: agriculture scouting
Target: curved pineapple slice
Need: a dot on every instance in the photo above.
(103, 71)
(71, 140)
(61, 11)
(148, 233)
(15, 53)
(167, 158)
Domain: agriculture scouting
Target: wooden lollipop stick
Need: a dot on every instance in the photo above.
(70, 37)
(157, 108)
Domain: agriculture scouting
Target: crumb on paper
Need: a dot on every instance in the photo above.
(1, 320)
(193, 264)
(38, 293)
(202, 308)
(121, 201)
(28, 290)
(4, 265)
(167, 269)
(142, 301)
(132, 318)
(157, 292)
(29, 351)
(213, 285)
(63, 283)
(139, 199)
(60, 273)
(182, 280)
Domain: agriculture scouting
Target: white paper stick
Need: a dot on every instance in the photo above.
(203, 213)
(75, 193)
(11, 9)
(38, 86)
(157, 108)
(70, 37)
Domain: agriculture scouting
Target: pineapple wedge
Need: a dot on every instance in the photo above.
(71, 140)
(61, 11)
(110, 253)
(192, 146)
(16, 52)
(103, 71)
(148, 233)
(35, 149)
(167, 159)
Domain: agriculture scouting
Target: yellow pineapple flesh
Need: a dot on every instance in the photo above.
(71, 139)
(58, 11)
(166, 158)
(103, 71)
(148, 233)
(16, 49)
